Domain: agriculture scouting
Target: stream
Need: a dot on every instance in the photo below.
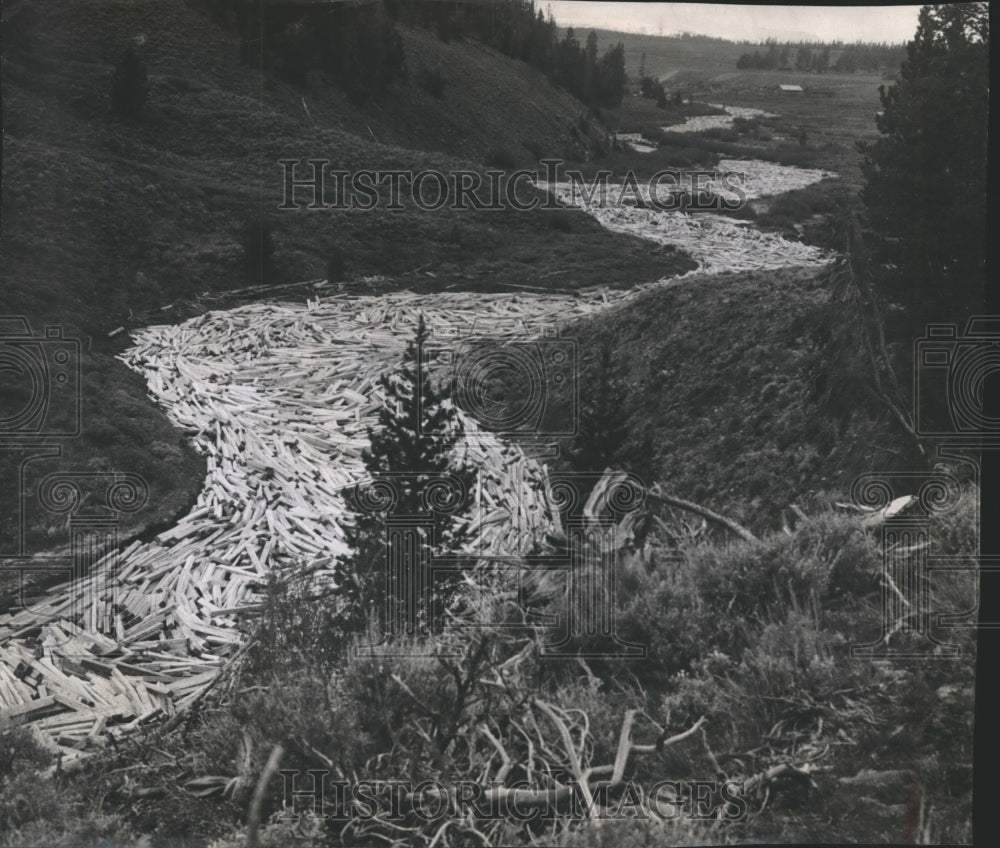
(278, 398)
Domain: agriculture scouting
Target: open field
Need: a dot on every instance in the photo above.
(679, 59)
(834, 111)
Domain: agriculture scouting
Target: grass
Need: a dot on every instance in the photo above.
(120, 223)
(752, 635)
(114, 223)
(729, 416)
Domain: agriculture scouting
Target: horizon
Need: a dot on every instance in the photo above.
(742, 22)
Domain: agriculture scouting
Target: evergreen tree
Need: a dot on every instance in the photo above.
(611, 78)
(822, 61)
(410, 449)
(129, 85)
(589, 68)
(603, 427)
(925, 177)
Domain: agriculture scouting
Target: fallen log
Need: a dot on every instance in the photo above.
(655, 494)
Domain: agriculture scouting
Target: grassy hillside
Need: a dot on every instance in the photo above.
(114, 223)
(716, 411)
(672, 58)
(735, 392)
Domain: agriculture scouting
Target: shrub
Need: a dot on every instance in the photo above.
(722, 134)
(433, 81)
(129, 85)
(257, 239)
(19, 751)
(796, 673)
(502, 159)
(38, 810)
(684, 604)
(787, 209)
(562, 220)
(335, 272)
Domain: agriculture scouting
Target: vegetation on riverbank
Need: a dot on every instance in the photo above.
(748, 392)
(754, 637)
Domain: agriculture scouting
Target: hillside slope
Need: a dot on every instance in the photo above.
(112, 223)
(719, 410)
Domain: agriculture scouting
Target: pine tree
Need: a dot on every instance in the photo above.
(603, 427)
(129, 85)
(411, 448)
(925, 177)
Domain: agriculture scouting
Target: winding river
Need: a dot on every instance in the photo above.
(278, 397)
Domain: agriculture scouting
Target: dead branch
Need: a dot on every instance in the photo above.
(253, 814)
(576, 769)
(671, 500)
(764, 779)
(505, 759)
(679, 737)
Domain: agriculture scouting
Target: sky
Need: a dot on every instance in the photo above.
(738, 22)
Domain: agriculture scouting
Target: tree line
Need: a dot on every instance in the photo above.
(517, 28)
(833, 56)
(357, 42)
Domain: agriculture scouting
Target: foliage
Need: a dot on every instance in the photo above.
(754, 637)
(37, 810)
(257, 239)
(411, 453)
(602, 428)
(653, 89)
(355, 43)
(129, 85)
(518, 29)
(924, 189)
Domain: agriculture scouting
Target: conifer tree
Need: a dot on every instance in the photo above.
(411, 449)
(129, 85)
(925, 175)
(602, 423)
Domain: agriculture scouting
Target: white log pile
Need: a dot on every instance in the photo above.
(278, 397)
(766, 179)
(700, 123)
(718, 244)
